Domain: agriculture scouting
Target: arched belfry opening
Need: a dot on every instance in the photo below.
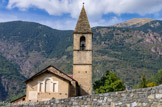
(82, 43)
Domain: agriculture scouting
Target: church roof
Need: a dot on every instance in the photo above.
(53, 70)
(18, 99)
(83, 25)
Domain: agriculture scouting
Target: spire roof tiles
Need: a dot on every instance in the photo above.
(83, 25)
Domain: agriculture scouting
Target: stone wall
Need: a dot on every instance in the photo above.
(82, 63)
(146, 97)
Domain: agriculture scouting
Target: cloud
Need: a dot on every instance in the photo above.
(94, 8)
(53, 7)
(60, 10)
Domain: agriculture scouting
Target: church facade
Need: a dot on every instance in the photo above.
(51, 83)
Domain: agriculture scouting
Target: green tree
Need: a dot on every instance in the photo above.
(157, 78)
(143, 83)
(109, 83)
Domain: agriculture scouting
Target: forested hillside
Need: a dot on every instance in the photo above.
(128, 51)
(11, 81)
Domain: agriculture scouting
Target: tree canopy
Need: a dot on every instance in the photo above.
(109, 83)
(153, 81)
(157, 78)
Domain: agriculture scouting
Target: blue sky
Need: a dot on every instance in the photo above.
(63, 14)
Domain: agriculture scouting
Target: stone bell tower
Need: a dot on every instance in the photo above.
(82, 54)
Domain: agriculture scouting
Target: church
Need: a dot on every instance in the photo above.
(51, 83)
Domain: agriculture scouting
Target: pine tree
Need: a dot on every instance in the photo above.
(143, 83)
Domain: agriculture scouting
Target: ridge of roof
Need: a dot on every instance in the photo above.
(46, 70)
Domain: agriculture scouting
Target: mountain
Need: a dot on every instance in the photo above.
(30, 44)
(128, 51)
(136, 22)
(11, 81)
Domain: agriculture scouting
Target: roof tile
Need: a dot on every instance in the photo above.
(83, 25)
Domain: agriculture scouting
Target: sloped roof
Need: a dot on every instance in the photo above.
(52, 70)
(18, 99)
(83, 25)
(70, 75)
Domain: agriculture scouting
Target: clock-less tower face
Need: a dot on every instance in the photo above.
(82, 54)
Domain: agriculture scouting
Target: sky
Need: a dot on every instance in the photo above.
(63, 14)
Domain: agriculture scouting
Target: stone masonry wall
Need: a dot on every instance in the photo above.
(145, 97)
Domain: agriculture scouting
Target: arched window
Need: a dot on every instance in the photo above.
(47, 85)
(82, 43)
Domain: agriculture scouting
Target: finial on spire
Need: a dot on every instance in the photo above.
(83, 3)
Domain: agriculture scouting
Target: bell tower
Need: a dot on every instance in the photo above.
(82, 54)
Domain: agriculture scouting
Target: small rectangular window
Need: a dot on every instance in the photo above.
(54, 86)
(41, 87)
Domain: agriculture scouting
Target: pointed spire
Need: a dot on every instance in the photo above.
(83, 23)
